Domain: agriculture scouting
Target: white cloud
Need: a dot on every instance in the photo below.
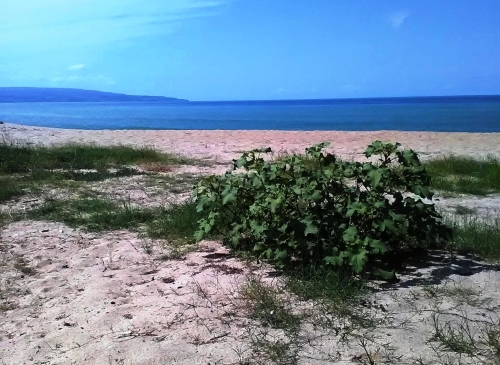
(62, 23)
(79, 79)
(398, 18)
(76, 67)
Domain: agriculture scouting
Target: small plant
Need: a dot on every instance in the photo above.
(477, 235)
(478, 340)
(177, 223)
(93, 214)
(318, 209)
(268, 306)
(478, 176)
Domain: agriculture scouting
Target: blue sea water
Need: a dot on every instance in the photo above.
(441, 114)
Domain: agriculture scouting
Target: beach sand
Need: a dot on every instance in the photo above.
(113, 298)
(225, 145)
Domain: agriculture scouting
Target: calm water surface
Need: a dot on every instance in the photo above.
(446, 114)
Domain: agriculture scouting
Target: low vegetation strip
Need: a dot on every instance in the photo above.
(26, 169)
(175, 223)
(24, 158)
(465, 175)
(476, 235)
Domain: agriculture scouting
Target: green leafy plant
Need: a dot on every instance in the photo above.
(319, 209)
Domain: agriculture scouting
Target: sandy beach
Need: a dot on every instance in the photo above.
(225, 145)
(120, 297)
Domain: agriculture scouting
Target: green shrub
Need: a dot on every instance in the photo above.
(318, 209)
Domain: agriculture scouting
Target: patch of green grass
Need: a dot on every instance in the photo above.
(24, 267)
(493, 340)
(459, 293)
(269, 306)
(456, 337)
(478, 176)
(330, 298)
(9, 188)
(93, 214)
(23, 158)
(26, 168)
(338, 286)
(6, 305)
(83, 176)
(478, 340)
(336, 294)
(178, 222)
(477, 236)
(276, 350)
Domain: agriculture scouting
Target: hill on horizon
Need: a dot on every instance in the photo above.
(38, 94)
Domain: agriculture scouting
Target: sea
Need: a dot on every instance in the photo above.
(440, 114)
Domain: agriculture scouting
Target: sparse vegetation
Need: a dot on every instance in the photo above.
(476, 235)
(269, 306)
(24, 158)
(93, 214)
(25, 168)
(178, 222)
(457, 174)
(476, 339)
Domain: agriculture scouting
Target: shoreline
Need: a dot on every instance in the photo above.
(225, 145)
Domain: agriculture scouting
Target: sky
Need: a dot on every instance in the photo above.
(253, 49)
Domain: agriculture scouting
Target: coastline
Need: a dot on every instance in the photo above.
(225, 145)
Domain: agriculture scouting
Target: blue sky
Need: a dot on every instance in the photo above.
(253, 49)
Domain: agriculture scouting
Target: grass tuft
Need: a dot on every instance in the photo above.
(268, 305)
(25, 168)
(465, 174)
(179, 222)
(9, 188)
(23, 158)
(92, 214)
(475, 235)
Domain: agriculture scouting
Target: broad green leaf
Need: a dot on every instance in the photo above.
(258, 247)
(388, 224)
(350, 234)
(375, 176)
(378, 246)
(358, 260)
(398, 217)
(358, 207)
(386, 275)
(201, 204)
(275, 203)
(230, 197)
(235, 241)
(311, 227)
(199, 234)
(334, 260)
(316, 195)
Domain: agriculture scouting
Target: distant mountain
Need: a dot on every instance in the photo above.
(35, 94)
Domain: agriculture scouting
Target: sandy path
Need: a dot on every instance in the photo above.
(225, 145)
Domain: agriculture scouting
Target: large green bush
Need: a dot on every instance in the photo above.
(318, 209)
